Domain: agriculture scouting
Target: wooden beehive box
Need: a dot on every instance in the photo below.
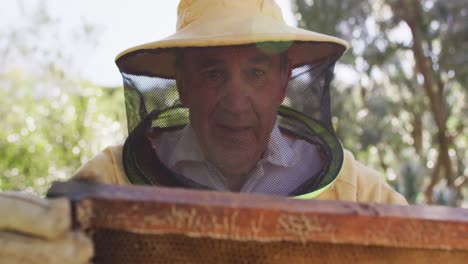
(135, 224)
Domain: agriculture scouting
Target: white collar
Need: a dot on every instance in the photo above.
(280, 151)
(186, 148)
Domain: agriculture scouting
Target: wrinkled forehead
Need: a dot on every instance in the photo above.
(221, 55)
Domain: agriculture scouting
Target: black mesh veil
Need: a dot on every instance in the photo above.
(154, 110)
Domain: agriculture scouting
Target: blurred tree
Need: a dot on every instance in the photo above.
(52, 121)
(405, 111)
(439, 31)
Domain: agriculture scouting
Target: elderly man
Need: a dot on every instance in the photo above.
(235, 100)
(253, 112)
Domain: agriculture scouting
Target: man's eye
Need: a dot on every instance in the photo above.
(213, 75)
(256, 73)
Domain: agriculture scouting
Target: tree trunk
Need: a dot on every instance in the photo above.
(411, 11)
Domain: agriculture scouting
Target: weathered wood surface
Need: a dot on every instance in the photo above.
(242, 217)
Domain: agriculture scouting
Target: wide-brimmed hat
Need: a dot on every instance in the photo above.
(209, 23)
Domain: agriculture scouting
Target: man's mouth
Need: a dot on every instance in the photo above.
(234, 130)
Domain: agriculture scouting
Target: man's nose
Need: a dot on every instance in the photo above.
(235, 95)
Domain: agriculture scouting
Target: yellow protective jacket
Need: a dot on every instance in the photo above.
(355, 182)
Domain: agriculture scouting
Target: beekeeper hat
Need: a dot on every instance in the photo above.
(209, 23)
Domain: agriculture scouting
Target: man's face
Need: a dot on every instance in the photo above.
(233, 95)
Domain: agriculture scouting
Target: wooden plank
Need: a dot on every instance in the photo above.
(258, 218)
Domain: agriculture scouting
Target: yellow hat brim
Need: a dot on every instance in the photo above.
(158, 58)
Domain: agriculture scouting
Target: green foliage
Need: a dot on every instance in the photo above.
(52, 122)
(381, 111)
(47, 133)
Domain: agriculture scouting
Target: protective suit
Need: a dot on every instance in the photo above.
(355, 182)
(235, 81)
